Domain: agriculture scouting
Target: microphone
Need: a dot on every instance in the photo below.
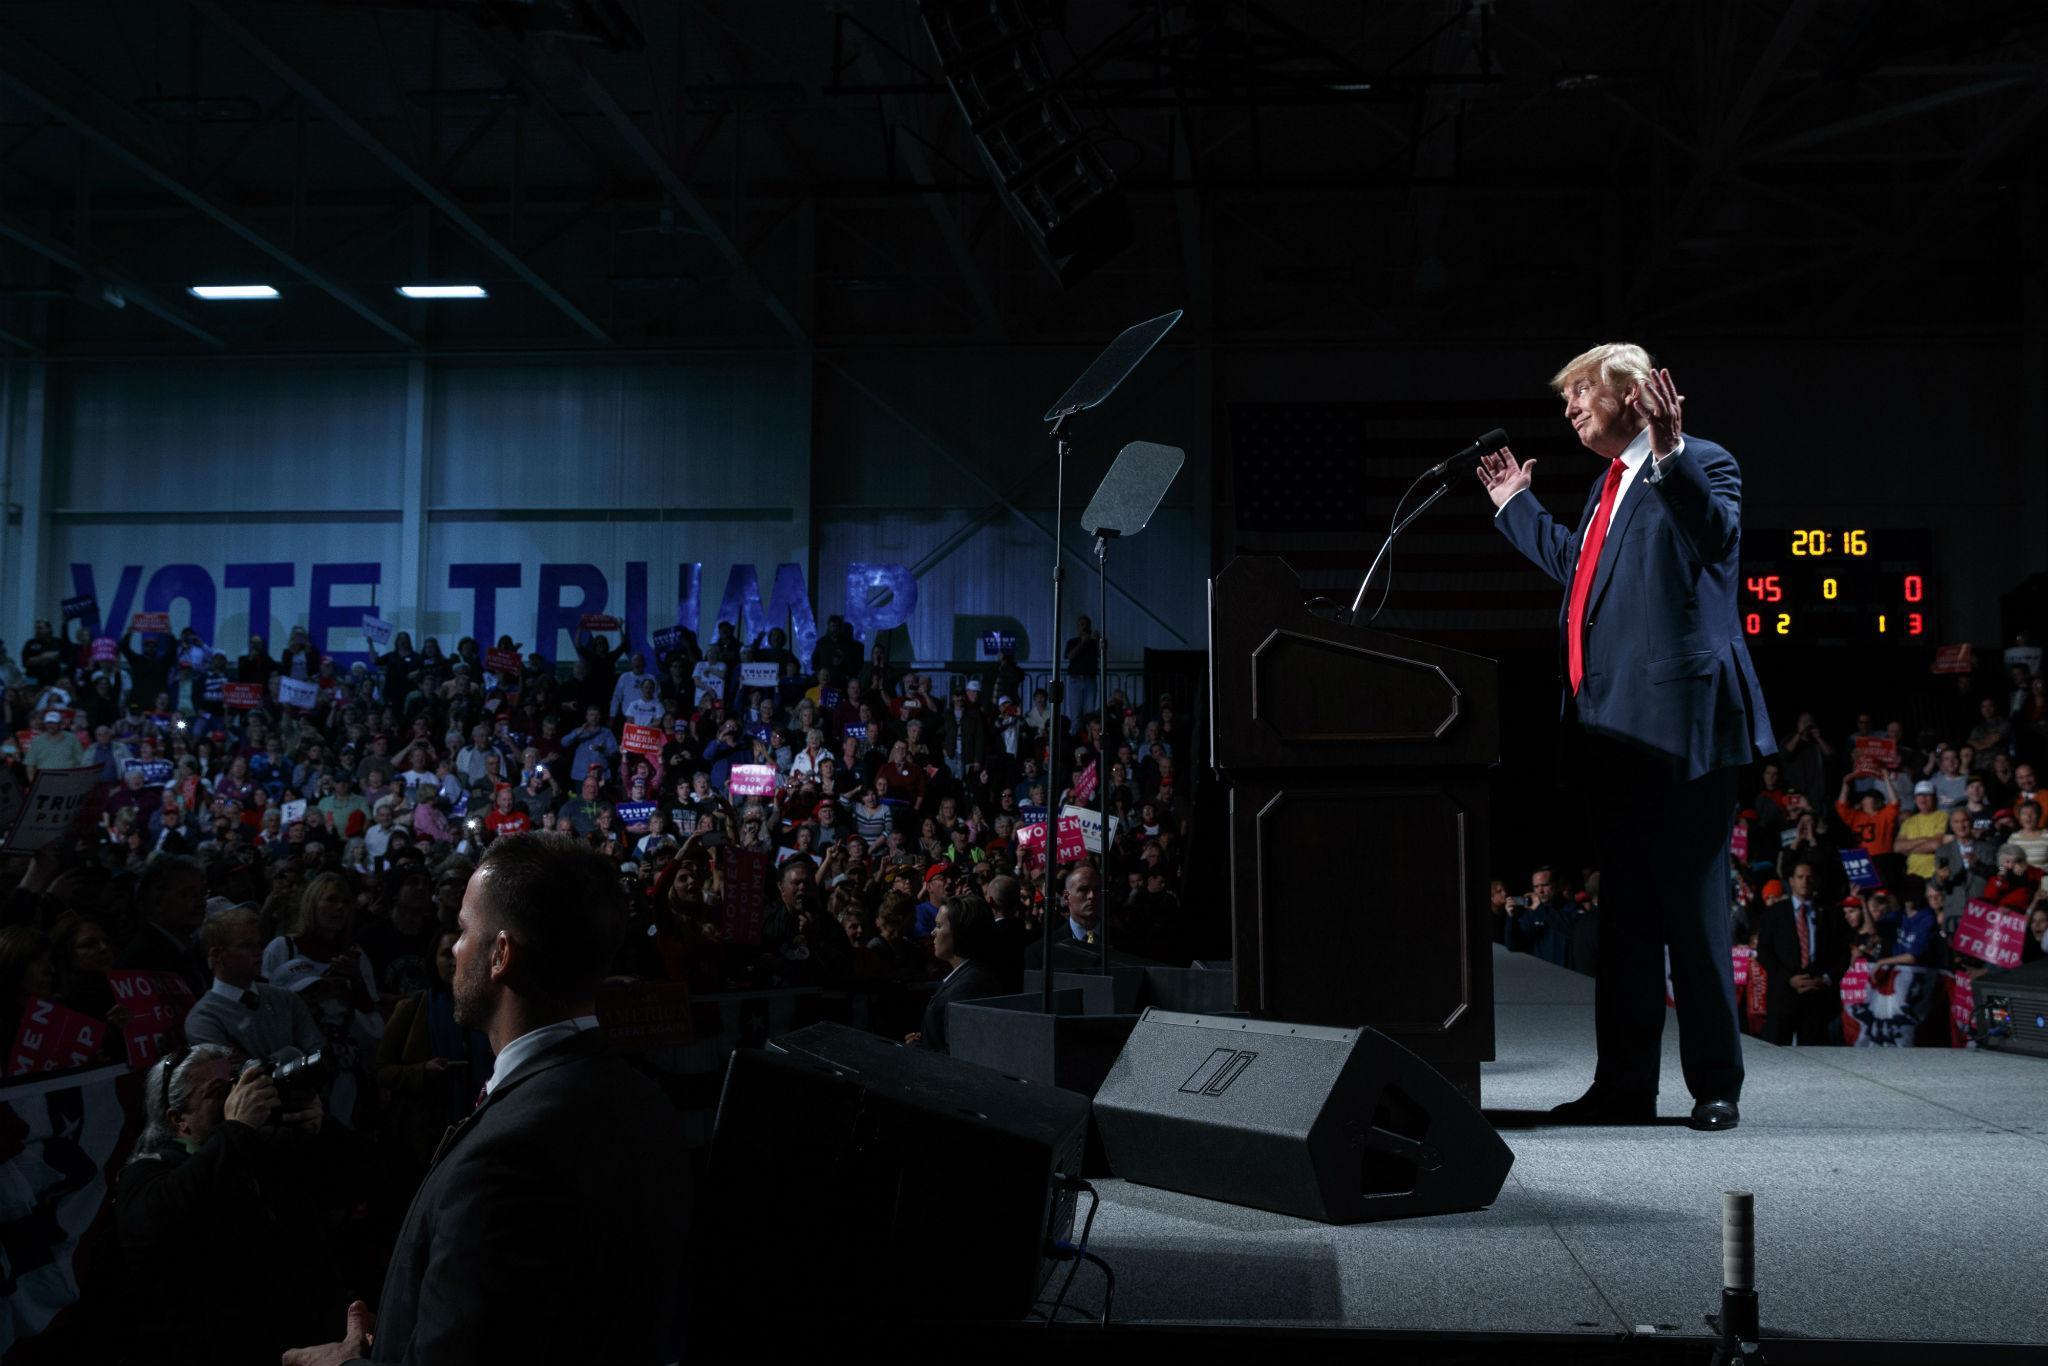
(1487, 444)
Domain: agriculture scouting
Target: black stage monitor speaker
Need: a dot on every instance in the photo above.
(1339, 1125)
(849, 1174)
(2012, 1009)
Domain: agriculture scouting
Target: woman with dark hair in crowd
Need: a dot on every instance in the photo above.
(430, 1064)
(902, 954)
(399, 934)
(81, 952)
(2035, 945)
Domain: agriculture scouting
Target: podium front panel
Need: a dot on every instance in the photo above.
(1360, 904)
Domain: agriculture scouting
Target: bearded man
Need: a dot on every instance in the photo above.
(551, 1223)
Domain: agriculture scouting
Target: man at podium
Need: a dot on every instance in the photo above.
(1661, 708)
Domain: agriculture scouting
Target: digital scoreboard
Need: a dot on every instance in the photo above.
(1838, 584)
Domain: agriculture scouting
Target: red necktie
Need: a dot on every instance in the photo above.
(1582, 576)
(1805, 935)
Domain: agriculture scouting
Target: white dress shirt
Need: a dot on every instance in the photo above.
(535, 1041)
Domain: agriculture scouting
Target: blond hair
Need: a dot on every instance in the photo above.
(1619, 365)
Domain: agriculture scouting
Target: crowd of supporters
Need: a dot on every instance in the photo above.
(1856, 856)
(290, 838)
(348, 827)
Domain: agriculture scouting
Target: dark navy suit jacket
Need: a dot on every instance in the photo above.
(1666, 669)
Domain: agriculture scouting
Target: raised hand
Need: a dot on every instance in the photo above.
(1662, 408)
(1504, 476)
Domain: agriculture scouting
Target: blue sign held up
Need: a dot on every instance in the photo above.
(1862, 873)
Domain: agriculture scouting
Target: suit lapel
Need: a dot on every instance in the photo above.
(583, 1044)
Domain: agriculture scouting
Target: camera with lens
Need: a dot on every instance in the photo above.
(299, 1081)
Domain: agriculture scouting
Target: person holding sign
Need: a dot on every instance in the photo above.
(1661, 709)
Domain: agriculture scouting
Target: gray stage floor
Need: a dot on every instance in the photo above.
(1900, 1195)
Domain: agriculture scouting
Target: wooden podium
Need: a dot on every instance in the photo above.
(1356, 765)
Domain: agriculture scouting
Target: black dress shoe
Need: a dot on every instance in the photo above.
(1601, 1105)
(1715, 1114)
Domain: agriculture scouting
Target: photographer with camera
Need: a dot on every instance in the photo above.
(252, 1017)
(219, 1211)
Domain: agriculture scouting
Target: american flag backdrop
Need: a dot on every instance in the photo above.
(1316, 484)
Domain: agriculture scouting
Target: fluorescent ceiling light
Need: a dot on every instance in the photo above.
(234, 291)
(444, 291)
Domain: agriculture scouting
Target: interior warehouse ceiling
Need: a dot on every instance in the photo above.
(797, 173)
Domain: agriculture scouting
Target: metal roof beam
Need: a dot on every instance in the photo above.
(920, 167)
(714, 232)
(16, 56)
(394, 162)
(141, 296)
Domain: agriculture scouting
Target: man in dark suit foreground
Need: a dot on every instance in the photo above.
(1661, 709)
(960, 939)
(550, 1226)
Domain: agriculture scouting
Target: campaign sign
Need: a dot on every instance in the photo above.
(1876, 755)
(599, 621)
(377, 631)
(1991, 934)
(709, 675)
(636, 1016)
(157, 1003)
(751, 780)
(857, 731)
(746, 875)
(155, 772)
(242, 696)
(1084, 784)
(1954, 659)
(667, 638)
(84, 607)
(54, 801)
(1031, 837)
(829, 697)
(53, 1037)
(1742, 957)
(502, 662)
(1089, 823)
(158, 623)
(1072, 842)
(994, 643)
(1856, 863)
(1738, 842)
(642, 740)
(633, 815)
(1962, 1008)
(1856, 983)
(760, 675)
(295, 692)
(293, 810)
(105, 649)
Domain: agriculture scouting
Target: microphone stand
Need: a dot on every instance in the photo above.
(1102, 539)
(1358, 599)
(1057, 722)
